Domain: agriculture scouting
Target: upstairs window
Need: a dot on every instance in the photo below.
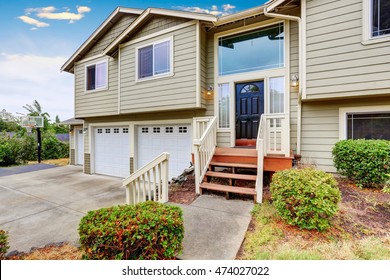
(380, 18)
(155, 59)
(255, 50)
(96, 76)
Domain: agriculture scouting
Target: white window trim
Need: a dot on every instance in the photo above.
(86, 73)
(251, 76)
(158, 76)
(367, 39)
(343, 111)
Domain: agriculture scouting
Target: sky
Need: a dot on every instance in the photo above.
(38, 36)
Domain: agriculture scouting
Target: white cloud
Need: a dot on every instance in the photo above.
(52, 13)
(33, 21)
(25, 78)
(227, 9)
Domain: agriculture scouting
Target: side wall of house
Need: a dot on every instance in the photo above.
(339, 63)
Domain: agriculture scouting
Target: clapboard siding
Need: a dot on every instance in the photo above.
(294, 69)
(158, 23)
(320, 128)
(96, 103)
(110, 36)
(166, 93)
(338, 64)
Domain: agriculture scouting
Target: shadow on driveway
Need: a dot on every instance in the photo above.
(6, 171)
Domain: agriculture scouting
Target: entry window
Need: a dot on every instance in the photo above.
(368, 126)
(223, 106)
(254, 50)
(155, 59)
(96, 76)
(380, 18)
(276, 95)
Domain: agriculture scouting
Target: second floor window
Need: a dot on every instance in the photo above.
(154, 59)
(97, 76)
(380, 21)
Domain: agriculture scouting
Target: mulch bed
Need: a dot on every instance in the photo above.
(183, 193)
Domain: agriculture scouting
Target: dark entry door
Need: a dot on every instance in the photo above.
(249, 108)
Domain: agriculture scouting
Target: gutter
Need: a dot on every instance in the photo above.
(302, 80)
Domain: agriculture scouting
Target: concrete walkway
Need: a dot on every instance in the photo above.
(214, 227)
(42, 207)
(6, 171)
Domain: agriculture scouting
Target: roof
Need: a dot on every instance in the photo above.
(144, 15)
(72, 121)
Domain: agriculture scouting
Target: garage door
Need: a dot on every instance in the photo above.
(175, 139)
(112, 151)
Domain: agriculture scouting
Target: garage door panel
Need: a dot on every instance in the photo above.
(169, 139)
(112, 151)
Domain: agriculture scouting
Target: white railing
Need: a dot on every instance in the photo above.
(275, 131)
(260, 147)
(150, 182)
(205, 142)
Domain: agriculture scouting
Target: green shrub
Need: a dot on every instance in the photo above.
(3, 244)
(146, 231)
(367, 162)
(306, 197)
(10, 150)
(53, 148)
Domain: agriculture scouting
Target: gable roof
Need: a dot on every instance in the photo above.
(100, 31)
(155, 11)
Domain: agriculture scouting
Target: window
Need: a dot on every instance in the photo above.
(125, 130)
(100, 130)
(368, 126)
(145, 130)
(255, 50)
(169, 129)
(108, 130)
(276, 95)
(156, 130)
(182, 129)
(380, 18)
(155, 59)
(223, 106)
(96, 76)
(116, 130)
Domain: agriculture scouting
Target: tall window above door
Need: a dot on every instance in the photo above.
(253, 50)
(380, 18)
(154, 60)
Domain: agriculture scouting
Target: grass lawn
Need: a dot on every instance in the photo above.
(360, 231)
(60, 161)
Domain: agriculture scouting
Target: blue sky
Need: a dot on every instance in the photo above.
(37, 37)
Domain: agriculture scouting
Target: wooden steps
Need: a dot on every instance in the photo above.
(228, 189)
(231, 176)
(232, 164)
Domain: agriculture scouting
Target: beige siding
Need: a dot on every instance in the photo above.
(110, 36)
(167, 93)
(100, 102)
(320, 128)
(338, 64)
(294, 69)
(158, 23)
(210, 73)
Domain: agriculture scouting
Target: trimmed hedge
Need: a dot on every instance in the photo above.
(306, 197)
(367, 162)
(146, 231)
(3, 244)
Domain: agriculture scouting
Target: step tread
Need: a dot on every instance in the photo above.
(233, 164)
(231, 175)
(223, 188)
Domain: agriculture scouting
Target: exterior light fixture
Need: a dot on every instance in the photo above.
(294, 80)
(210, 90)
(85, 130)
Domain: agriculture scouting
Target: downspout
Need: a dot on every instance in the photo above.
(300, 51)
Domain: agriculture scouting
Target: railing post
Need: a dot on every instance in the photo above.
(164, 178)
(260, 168)
(197, 168)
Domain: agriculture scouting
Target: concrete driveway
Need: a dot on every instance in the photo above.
(42, 207)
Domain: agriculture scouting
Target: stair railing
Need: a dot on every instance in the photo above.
(205, 142)
(260, 147)
(150, 182)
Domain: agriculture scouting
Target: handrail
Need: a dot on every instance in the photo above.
(149, 182)
(204, 149)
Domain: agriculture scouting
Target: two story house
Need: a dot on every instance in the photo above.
(299, 75)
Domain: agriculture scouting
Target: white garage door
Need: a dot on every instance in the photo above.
(112, 151)
(174, 139)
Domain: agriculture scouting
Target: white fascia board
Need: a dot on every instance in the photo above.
(91, 38)
(240, 15)
(273, 5)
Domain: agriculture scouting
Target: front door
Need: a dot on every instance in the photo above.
(249, 108)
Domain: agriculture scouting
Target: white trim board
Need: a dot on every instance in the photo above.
(343, 111)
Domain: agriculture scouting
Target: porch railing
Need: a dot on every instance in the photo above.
(150, 182)
(275, 131)
(205, 142)
(260, 147)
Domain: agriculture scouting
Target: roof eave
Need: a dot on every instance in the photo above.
(241, 15)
